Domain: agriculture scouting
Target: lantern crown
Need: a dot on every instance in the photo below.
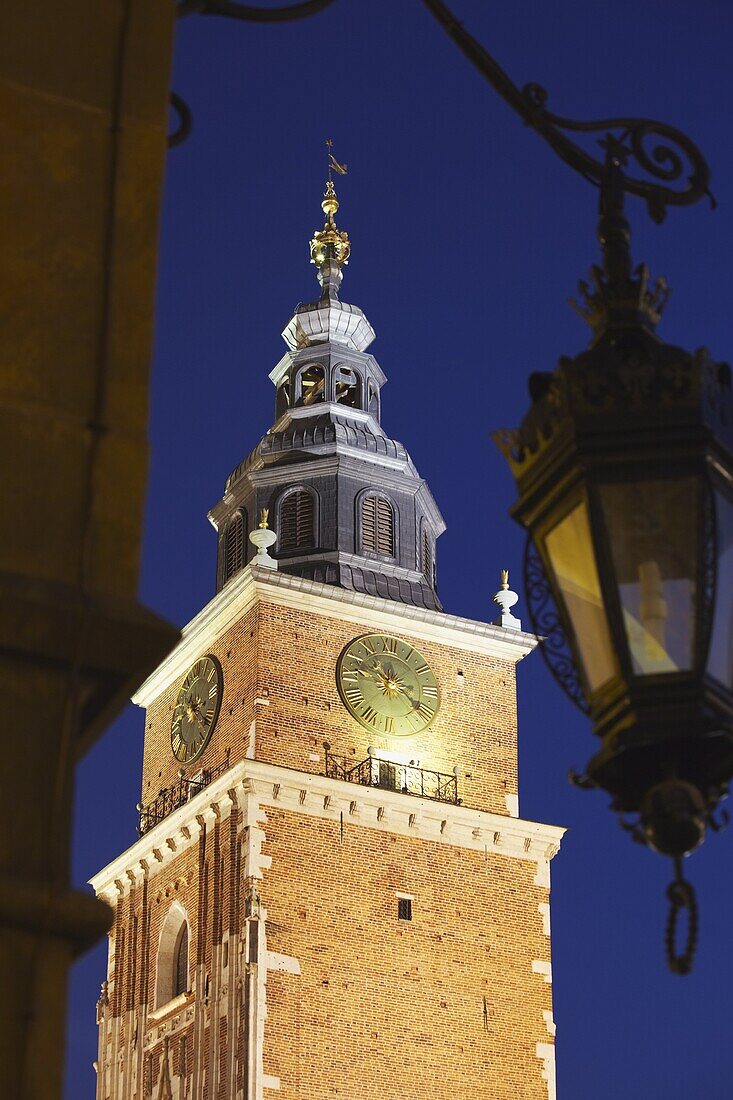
(607, 303)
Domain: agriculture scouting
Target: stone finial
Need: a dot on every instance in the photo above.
(263, 538)
(506, 599)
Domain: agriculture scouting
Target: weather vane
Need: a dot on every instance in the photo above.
(333, 164)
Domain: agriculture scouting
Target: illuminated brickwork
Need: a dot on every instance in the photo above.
(279, 672)
(302, 977)
(445, 1004)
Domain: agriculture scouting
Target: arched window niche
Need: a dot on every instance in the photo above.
(234, 545)
(347, 387)
(376, 524)
(373, 401)
(296, 527)
(311, 384)
(172, 972)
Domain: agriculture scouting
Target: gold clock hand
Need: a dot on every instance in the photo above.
(369, 675)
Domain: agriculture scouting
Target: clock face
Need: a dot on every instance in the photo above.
(387, 686)
(196, 710)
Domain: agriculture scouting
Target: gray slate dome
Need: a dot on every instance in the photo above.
(346, 501)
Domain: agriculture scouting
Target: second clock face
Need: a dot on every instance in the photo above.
(196, 710)
(387, 686)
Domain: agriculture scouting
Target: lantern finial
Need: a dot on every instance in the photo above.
(506, 599)
(263, 538)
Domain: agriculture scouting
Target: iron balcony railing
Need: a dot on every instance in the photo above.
(389, 775)
(170, 798)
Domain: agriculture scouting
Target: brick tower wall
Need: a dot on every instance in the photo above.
(279, 672)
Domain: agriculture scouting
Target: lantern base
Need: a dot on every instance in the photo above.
(674, 818)
(629, 772)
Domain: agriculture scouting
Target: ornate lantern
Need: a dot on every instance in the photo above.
(624, 469)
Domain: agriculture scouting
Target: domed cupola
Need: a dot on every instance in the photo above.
(347, 504)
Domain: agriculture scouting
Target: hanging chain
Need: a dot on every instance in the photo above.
(681, 896)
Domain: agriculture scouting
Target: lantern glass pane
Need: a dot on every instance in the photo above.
(720, 660)
(652, 528)
(570, 549)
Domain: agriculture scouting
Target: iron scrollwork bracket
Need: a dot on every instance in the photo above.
(548, 629)
(246, 13)
(250, 13)
(658, 149)
(185, 120)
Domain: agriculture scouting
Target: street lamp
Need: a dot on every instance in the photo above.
(624, 470)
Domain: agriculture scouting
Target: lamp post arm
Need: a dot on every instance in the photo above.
(659, 150)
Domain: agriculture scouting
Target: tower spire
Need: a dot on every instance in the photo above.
(330, 247)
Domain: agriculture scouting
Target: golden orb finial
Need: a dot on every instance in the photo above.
(330, 243)
(330, 203)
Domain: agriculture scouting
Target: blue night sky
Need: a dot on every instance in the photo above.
(467, 237)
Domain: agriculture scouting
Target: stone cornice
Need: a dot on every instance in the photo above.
(313, 597)
(316, 795)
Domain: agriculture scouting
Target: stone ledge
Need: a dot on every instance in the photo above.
(273, 785)
(253, 584)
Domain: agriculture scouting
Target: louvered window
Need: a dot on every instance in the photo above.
(296, 521)
(427, 555)
(180, 962)
(234, 546)
(377, 525)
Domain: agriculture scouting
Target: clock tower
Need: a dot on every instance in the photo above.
(332, 893)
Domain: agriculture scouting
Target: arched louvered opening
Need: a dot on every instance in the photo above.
(428, 556)
(347, 387)
(234, 545)
(373, 400)
(297, 521)
(377, 525)
(172, 977)
(180, 962)
(311, 385)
